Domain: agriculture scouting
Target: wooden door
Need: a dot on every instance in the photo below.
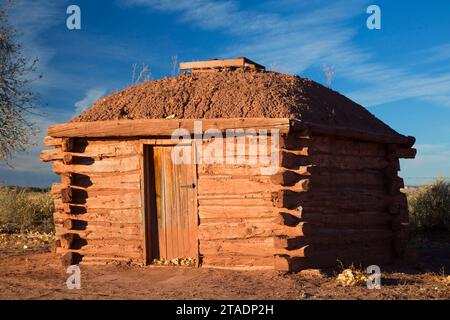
(173, 206)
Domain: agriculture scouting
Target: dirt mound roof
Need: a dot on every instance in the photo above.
(235, 94)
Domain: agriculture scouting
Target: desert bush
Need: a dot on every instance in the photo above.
(23, 210)
(429, 207)
(351, 277)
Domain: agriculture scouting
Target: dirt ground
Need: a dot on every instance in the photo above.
(38, 274)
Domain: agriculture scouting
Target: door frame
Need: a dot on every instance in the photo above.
(146, 201)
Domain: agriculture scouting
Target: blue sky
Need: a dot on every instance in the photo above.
(401, 73)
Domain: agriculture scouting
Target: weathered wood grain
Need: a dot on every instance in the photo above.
(157, 127)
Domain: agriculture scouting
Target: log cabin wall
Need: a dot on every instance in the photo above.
(236, 216)
(99, 205)
(100, 200)
(336, 196)
(98, 213)
(341, 200)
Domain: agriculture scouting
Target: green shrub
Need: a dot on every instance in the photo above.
(24, 210)
(429, 207)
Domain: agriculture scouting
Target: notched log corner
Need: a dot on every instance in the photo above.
(71, 258)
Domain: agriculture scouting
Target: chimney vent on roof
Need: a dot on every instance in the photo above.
(217, 65)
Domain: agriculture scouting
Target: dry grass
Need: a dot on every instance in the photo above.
(188, 262)
(27, 241)
(23, 210)
(351, 277)
(429, 208)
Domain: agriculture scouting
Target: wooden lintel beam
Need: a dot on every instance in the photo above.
(160, 127)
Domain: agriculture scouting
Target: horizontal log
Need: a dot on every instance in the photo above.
(125, 164)
(331, 237)
(225, 221)
(344, 199)
(106, 148)
(82, 196)
(332, 145)
(333, 178)
(84, 222)
(350, 133)
(290, 160)
(125, 201)
(51, 154)
(241, 62)
(119, 251)
(107, 233)
(105, 259)
(341, 219)
(247, 230)
(241, 144)
(406, 153)
(131, 244)
(226, 186)
(215, 231)
(240, 262)
(52, 142)
(247, 200)
(157, 127)
(107, 200)
(252, 247)
(106, 227)
(230, 212)
(106, 181)
(94, 216)
(239, 170)
(95, 150)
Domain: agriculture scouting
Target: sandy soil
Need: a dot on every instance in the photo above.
(38, 274)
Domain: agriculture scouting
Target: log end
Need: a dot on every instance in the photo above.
(70, 258)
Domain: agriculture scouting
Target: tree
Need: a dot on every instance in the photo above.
(16, 99)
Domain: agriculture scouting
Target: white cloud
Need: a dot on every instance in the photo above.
(439, 53)
(92, 95)
(300, 39)
(33, 19)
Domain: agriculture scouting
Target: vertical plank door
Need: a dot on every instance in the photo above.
(175, 207)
